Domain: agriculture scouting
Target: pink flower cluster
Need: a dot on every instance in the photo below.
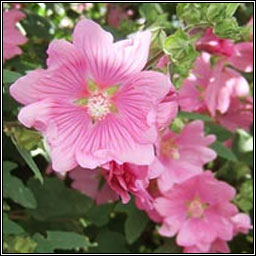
(106, 122)
(216, 87)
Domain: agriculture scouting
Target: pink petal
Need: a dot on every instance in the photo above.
(110, 62)
(242, 223)
(65, 78)
(106, 195)
(239, 115)
(64, 126)
(12, 37)
(213, 191)
(194, 231)
(242, 59)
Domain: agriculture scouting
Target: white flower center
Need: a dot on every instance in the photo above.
(98, 106)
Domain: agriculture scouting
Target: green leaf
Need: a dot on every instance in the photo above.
(243, 146)
(99, 214)
(177, 45)
(216, 12)
(20, 244)
(29, 160)
(223, 151)
(194, 116)
(135, 223)
(60, 240)
(228, 28)
(15, 189)
(221, 133)
(169, 246)
(110, 242)
(244, 198)
(10, 227)
(233, 172)
(231, 9)
(183, 55)
(57, 201)
(10, 76)
(191, 13)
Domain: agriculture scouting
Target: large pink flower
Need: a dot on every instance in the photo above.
(199, 212)
(12, 37)
(93, 103)
(182, 155)
(89, 182)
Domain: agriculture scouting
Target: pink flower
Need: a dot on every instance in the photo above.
(163, 62)
(12, 37)
(191, 94)
(210, 43)
(182, 155)
(238, 55)
(154, 192)
(218, 246)
(17, 5)
(93, 103)
(198, 211)
(128, 179)
(116, 14)
(167, 110)
(242, 223)
(242, 59)
(238, 115)
(211, 89)
(89, 182)
(224, 84)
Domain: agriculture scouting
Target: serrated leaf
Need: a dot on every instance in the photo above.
(243, 146)
(60, 240)
(216, 12)
(10, 76)
(182, 53)
(194, 116)
(223, 151)
(233, 172)
(176, 45)
(29, 160)
(14, 188)
(56, 201)
(20, 244)
(227, 28)
(10, 227)
(231, 9)
(244, 198)
(135, 223)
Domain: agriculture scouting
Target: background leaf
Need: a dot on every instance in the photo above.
(135, 223)
(14, 188)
